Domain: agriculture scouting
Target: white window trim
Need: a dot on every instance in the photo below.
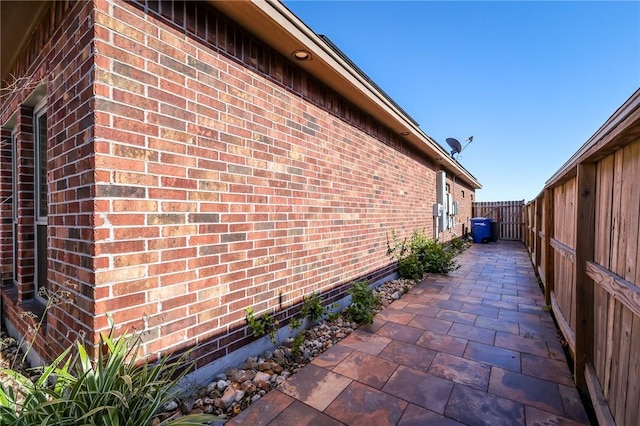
(38, 111)
(14, 202)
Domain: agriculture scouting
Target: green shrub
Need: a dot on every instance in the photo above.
(113, 390)
(457, 245)
(265, 325)
(312, 308)
(363, 303)
(410, 268)
(296, 343)
(294, 323)
(421, 254)
(437, 259)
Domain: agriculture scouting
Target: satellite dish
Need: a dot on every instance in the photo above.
(456, 147)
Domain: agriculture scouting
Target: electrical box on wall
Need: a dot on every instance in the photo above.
(455, 208)
(441, 191)
(437, 210)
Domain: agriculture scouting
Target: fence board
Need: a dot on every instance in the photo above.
(630, 208)
(633, 391)
(611, 338)
(615, 213)
(603, 212)
(548, 265)
(623, 364)
(601, 300)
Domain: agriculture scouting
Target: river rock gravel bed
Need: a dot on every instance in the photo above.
(235, 389)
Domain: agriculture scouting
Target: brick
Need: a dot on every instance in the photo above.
(183, 253)
(167, 194)
(241, 236)
(167, 97)
(137, 232)
(177, 66)
(136, 286)
(135, 179)
(134, 73)
(204, 218)
(173, 182)
(202, 66)
(179, 300)
(177, 278)
(120, 191)
(134, 259)
(171, 231)
(118, 247)
(123, 220)
(170, 206)
(119, 109)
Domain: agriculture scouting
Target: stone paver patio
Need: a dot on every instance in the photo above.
(473, 348)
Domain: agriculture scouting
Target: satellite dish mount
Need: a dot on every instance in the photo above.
(456, 146)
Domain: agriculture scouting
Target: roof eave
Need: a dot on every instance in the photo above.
(18, 20)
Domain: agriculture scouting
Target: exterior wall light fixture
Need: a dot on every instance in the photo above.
(301, 55)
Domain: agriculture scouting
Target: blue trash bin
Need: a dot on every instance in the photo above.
(481, 229)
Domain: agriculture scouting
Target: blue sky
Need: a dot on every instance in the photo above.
(530, 80)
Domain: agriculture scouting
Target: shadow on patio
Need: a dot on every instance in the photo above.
(474, 347)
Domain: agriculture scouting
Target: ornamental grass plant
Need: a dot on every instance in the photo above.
(112, 390)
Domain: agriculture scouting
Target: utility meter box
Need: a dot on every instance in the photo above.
(437, 210)
(455, 208)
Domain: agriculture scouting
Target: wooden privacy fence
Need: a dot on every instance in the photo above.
(583, 234)
(508, 215)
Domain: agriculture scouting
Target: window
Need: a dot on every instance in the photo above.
(40, 190)
(463, 193)
(14, 201)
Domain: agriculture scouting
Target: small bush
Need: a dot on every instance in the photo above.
(457, 245)
(410, 268)
(264, 325)
(312, 308)
(421, 254)
(439, 260)
(297, 343)
(436, 258)
(364, 303)
(294, 323)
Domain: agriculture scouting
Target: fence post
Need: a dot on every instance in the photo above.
(539, 228)
(585, 239)
(549, 256)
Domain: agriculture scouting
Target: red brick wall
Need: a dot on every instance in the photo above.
(57, 62)
(227, 179)
(194, 172)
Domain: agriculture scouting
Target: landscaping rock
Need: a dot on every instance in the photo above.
(228, 398)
